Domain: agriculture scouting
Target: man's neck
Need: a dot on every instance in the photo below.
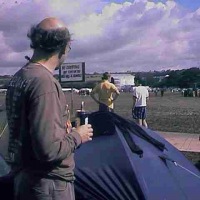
(49, 63)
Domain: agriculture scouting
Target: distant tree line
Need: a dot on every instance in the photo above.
(185, 78)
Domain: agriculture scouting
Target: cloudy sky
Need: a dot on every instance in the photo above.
(108, 35)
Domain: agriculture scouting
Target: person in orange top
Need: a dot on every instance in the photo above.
(105, 91)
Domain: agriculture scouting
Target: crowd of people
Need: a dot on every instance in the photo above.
(189, 92)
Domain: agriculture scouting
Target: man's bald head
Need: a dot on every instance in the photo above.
(50, 35)
(51, 23)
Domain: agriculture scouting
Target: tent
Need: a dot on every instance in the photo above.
(127, 162)
(6, 180)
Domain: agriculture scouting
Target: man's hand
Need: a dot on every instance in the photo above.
(86, 132)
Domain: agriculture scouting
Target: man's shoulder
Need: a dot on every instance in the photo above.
(39, 79)
(31, 71)
(111, 84)
(142, 88)
(134, 91)
(104, 83)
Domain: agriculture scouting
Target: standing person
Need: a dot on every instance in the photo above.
(140, 96)
(39, 147)
(156, 92)
(112, 80)
(162, 92)
(105, 91)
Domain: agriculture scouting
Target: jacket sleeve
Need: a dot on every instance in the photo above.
(48, 136)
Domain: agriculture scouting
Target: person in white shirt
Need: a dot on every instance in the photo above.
(140, 96)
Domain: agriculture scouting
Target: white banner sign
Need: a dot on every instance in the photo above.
(72, 72)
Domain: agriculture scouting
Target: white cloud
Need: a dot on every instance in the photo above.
(95, 23)
(142, 35)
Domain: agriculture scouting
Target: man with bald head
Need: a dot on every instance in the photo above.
(40, 150)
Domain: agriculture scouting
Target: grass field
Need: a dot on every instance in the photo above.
(170, 113)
